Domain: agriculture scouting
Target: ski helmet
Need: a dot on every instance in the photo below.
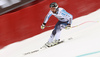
(54, 4)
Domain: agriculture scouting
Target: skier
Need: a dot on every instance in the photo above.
(65, 20)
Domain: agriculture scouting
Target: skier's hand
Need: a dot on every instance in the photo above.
(43, 25)
(68, 26)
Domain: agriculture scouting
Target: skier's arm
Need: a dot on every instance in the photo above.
(46, 19)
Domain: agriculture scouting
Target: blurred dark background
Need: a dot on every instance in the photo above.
(15, 5)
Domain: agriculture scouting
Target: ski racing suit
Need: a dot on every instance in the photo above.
(64, 18)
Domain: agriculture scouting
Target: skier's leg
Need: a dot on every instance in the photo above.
(51, 38)
(61, 26)
(58, 33)
(50, 41)
(54, 31)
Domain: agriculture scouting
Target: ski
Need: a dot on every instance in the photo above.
(51, 46)
(42, 48)
(46, 47)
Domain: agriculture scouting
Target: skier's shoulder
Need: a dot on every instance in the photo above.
(60, 8)
(50, 12)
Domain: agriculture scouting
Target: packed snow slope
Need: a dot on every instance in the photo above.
(25, 23)
(85, 41)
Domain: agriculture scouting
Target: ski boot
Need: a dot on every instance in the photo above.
(48, 44)
(55, 42)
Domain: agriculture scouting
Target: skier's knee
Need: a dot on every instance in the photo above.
(54, 32)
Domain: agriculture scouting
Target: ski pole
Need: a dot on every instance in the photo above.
(75, 25)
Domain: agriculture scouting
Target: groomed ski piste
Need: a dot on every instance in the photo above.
(80, 41)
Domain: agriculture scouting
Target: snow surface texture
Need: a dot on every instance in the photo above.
(85, 41)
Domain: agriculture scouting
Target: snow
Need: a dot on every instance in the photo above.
(85, 42)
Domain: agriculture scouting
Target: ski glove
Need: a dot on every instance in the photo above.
(43, 25)
(68, 26)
